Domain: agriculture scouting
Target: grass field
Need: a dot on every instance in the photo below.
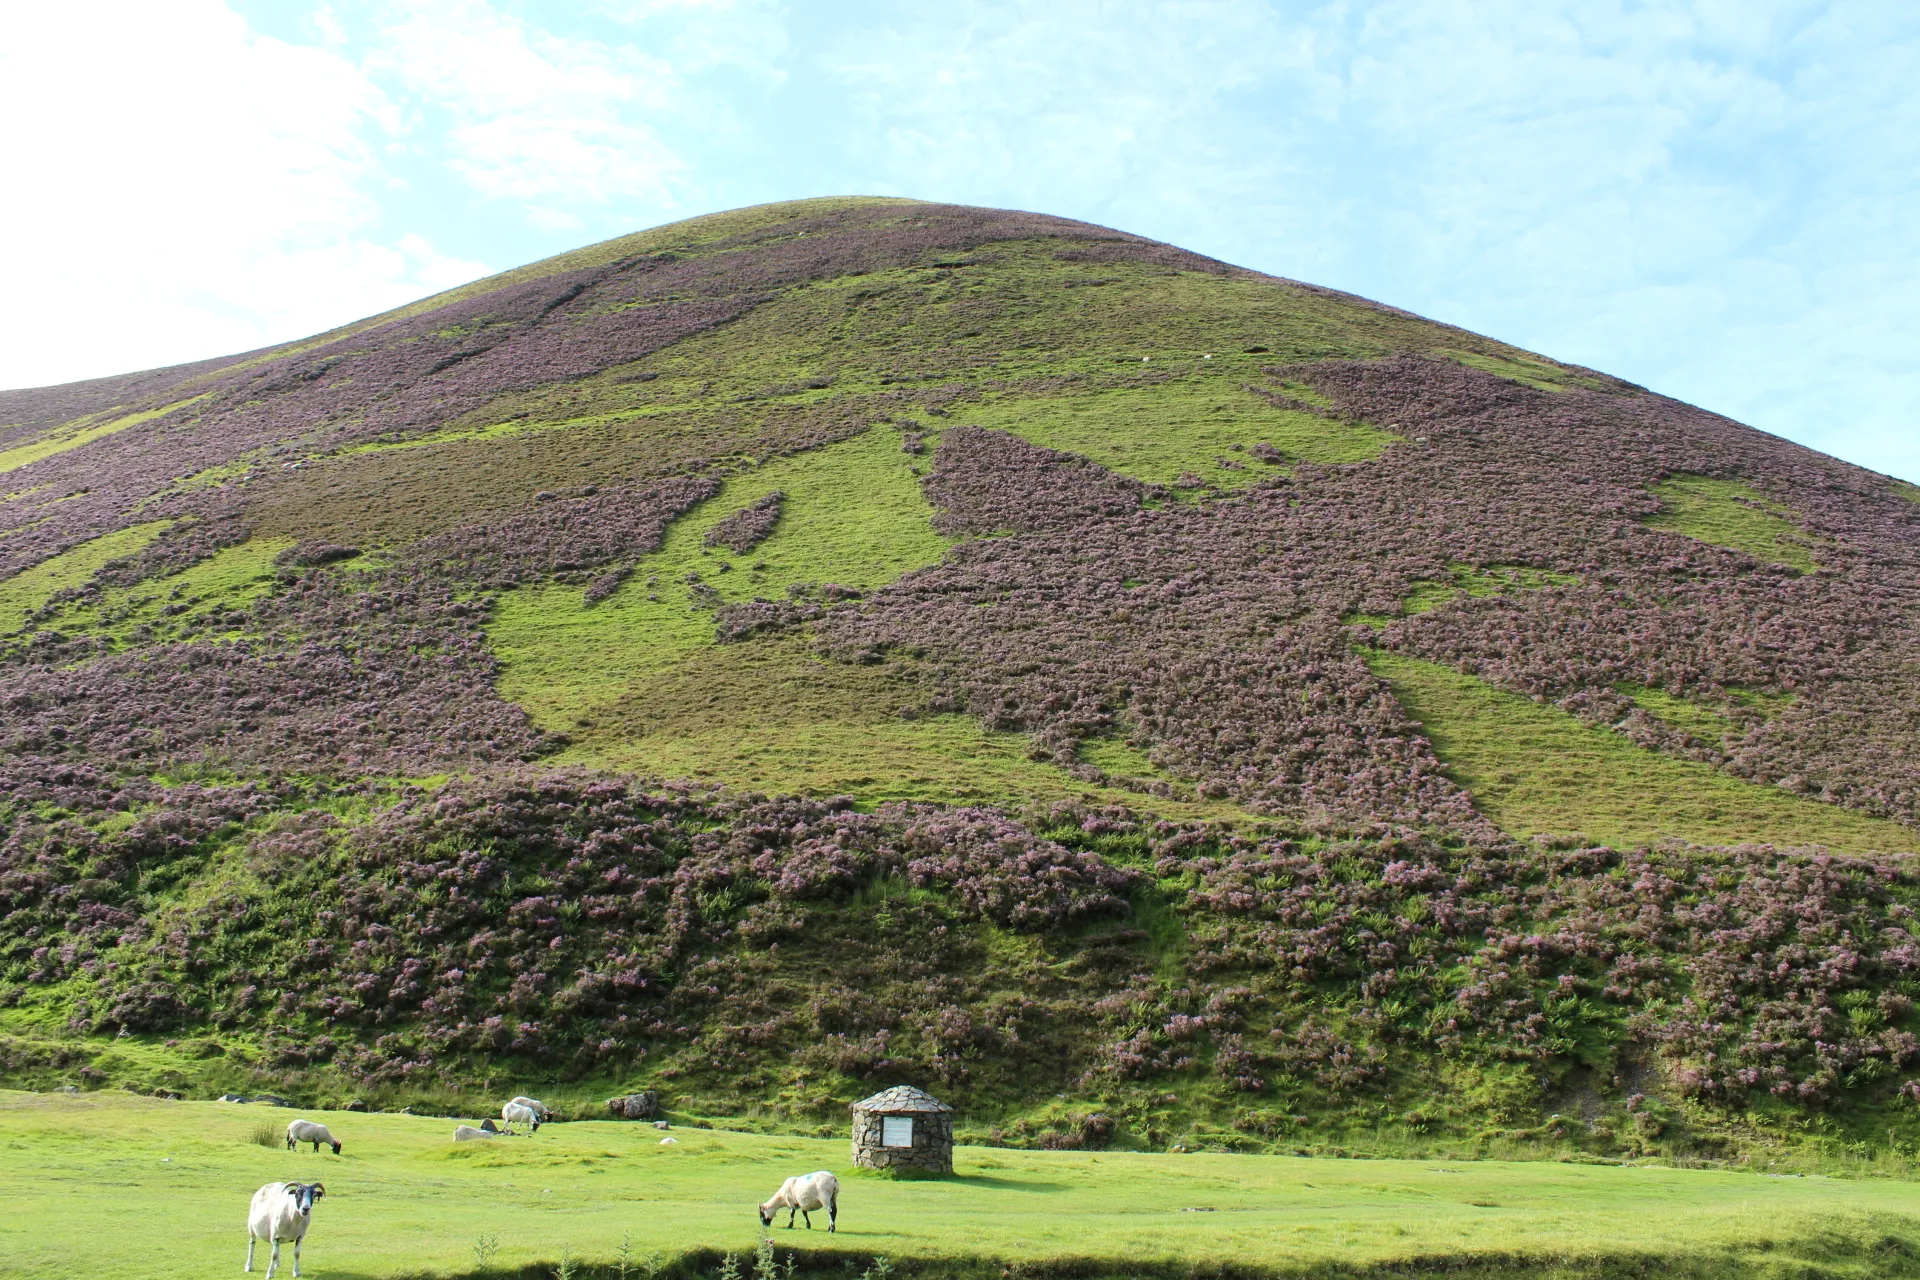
(114, 1185)
(1536, 769)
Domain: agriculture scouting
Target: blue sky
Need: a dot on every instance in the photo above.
(1714, 199)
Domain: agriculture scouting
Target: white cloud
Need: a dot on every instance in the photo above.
(525, 115)
(185, 188)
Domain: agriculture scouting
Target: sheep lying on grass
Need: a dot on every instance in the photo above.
(300, 1131)
(815, 1191)
(467, 1133)
(281, 1211)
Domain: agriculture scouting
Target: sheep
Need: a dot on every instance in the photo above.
(536, 1106)
(519, 1113)
(467, 1133)
(815, 1191)
(281, 1211)
(300, 1131)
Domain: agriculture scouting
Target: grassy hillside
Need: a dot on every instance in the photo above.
(849, 642)
(1539, 771)
(401, 1199)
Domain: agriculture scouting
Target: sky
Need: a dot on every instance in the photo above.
(1715, 199)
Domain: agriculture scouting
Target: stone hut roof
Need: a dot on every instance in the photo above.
(900, 1099)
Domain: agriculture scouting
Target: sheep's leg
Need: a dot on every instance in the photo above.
(296, 1259)
(250, 1240)
(790, 1213)
(273, 1259)
(833, 1214)
(808, 1215)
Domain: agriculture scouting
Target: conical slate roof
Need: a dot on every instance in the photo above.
(902, 1097)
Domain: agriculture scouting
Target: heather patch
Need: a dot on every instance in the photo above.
(748, 527)
(75, 434)
(1730, 514)
(1281, 982)
(994, 482)
(380, 672)
(563, 538)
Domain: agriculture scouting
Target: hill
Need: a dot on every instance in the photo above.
(835, 643)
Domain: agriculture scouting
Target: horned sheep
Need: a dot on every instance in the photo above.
(281, 1211)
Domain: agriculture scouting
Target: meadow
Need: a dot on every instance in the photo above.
(115, 1185)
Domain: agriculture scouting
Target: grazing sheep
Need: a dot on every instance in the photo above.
(536, 1106)
(300, 1131)
(281, 1211)
(519, 1113)
(815, 1191)
(467, 1133)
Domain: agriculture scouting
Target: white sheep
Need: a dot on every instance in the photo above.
(815, 1191)
(467, 1133)
(300, 1131)
(281, 1211)
(536, 1106)
(519, 1113)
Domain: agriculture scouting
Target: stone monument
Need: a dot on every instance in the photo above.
(903, 1128)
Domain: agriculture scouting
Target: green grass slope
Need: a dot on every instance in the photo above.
(1536, 770)
(1729, 514)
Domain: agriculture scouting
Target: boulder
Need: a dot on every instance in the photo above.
(635, 1106)
(358, 1104)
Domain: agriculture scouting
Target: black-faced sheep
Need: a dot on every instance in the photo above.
(312, 1131)
(281, 1211)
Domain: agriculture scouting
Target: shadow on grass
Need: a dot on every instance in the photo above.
(1882, 1248)
(1005, 1184)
